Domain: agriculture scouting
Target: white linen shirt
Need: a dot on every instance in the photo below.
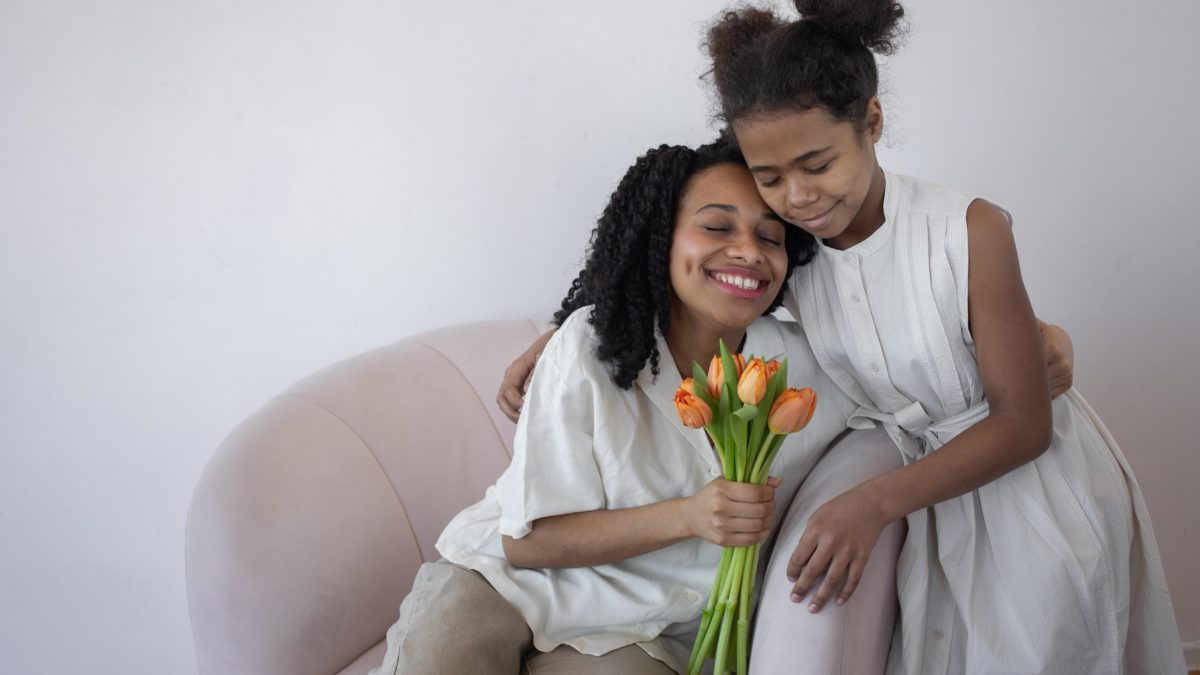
(584, 444)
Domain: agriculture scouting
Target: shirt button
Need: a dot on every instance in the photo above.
(874, 367)
(938, 635)
(854, 297)
(692, 596)
(638, 628)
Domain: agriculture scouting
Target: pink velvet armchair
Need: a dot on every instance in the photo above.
(310, 521)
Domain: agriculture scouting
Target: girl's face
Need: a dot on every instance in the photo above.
(814, 170)
(727, 260)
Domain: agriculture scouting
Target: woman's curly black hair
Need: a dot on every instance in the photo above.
(626, 277)
(762, 63)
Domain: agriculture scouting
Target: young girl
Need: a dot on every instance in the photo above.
(1029, 548)
(595, 550)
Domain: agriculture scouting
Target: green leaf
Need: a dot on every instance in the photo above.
(701, 383)
(731, 374)
(746, 413)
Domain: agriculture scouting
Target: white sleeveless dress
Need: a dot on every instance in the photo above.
(1052, 568)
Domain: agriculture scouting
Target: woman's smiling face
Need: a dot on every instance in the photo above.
(728, 260)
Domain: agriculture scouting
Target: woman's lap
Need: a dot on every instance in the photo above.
(453, 621)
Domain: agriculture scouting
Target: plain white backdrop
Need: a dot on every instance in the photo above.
(201, 202)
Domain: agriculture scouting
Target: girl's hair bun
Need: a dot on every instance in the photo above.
(739, 28)
(876, 24)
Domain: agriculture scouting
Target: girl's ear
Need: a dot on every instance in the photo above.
(873, 122)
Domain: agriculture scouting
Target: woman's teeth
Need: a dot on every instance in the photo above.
(740, 282)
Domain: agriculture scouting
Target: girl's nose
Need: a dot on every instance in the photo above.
(800, 194)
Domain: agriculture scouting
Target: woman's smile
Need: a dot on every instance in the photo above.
(740, 282)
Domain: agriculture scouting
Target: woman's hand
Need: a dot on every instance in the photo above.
(732, 514)
(1060, 358)
(516, 379)
(837, 542)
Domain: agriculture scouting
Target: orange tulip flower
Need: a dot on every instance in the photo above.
(693, 411)
(716, 373)
(753, 384)
(792, 410)
(772, 368)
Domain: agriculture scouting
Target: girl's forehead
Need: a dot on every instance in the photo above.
(790, 133)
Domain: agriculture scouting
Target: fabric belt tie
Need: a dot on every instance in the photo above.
(913, 430)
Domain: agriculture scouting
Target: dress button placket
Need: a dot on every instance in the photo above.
(859, 313)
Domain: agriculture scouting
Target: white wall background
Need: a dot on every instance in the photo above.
(202, 202)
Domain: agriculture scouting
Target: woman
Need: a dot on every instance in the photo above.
(595, 550)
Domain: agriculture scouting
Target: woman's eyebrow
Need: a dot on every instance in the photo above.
(799, 160)
(722, 207)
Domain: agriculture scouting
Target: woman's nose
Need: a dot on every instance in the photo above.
(747, 248)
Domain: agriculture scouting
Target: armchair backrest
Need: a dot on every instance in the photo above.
(310, 521)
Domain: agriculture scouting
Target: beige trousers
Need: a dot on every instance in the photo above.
(453, 621)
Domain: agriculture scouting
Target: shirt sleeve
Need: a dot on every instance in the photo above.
(554, 469)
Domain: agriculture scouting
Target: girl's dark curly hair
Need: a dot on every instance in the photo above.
(762, 63)
(626, 277)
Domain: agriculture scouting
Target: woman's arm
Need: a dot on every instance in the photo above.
(1012, 366)
(723, 512)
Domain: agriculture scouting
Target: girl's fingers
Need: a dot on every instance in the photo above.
(510, 403)
(852, 580)
(813, 569)
(833, 579)
(800, 556)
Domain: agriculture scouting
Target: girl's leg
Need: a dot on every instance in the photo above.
(852, 638)
(453, 621)
(631, 660)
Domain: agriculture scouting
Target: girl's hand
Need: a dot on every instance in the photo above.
(1060, 358)
(732, 514)
(516, 379)
(837, 543)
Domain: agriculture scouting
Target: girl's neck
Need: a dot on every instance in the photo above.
(693, 340)
(869, 218)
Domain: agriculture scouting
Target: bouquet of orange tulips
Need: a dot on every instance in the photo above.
(747, 409)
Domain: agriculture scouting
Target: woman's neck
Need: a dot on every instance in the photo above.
(691, 340)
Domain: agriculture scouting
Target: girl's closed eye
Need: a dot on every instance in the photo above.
(819, 169)
(769, 182)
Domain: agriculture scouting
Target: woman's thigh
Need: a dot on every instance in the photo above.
(852, 638)
(631, 660)
(453, 621)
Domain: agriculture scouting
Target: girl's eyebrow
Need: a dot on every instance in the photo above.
(799, 160)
